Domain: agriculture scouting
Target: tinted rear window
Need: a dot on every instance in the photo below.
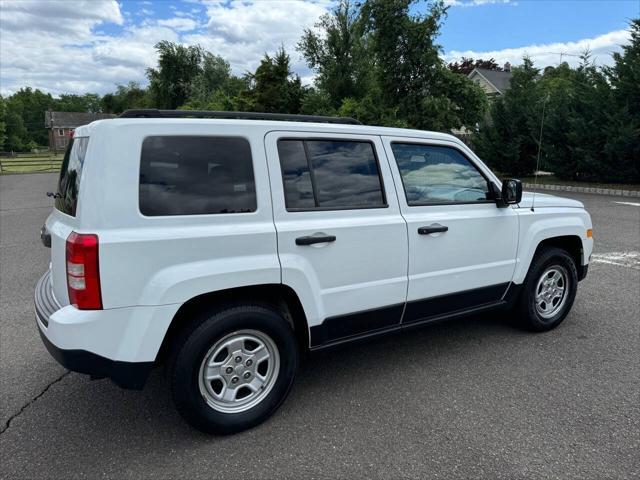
(70, 174)
(195, 175)
(330, 174)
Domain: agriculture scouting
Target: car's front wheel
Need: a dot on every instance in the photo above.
(548, 291)
(234, 369)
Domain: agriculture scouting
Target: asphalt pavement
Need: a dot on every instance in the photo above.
(472, 398)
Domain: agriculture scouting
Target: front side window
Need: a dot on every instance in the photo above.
(195, 175)
(330, 174)
(70, 175)
(435, 174)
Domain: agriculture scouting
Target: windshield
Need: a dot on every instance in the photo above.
(70, 173)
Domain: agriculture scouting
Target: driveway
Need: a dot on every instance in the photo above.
(469, 398)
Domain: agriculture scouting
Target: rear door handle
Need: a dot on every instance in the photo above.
(310, 240)
(435, 228)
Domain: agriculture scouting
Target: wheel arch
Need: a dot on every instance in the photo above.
(280, 297)
(572, 244)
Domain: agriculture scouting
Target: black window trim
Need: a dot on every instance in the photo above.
(436, 204)
(69, 146)
(197, 215)
(304, 140)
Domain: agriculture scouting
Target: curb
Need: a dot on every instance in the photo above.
(592, 190)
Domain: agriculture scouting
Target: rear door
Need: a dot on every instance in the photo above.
(63, 219)
(342, 241)
(462, 248)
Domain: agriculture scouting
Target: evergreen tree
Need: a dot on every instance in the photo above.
(623, 129)
(274, 87)
(508, 139)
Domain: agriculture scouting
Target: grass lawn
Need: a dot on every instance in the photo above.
(551, 180)
(31, 163)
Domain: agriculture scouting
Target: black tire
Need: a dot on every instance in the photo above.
(196, 343)
(528, 315)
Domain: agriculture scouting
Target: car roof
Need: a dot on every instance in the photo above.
(268, 125)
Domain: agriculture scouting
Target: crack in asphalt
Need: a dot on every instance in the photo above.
(7, 424)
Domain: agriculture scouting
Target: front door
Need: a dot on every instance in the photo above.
(342, 241)
(462, 248)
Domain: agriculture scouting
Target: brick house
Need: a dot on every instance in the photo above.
(62, 124)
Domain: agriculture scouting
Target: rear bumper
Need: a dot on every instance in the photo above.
(101, 343)
(128, 375)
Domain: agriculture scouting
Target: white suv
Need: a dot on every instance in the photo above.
(223, 245)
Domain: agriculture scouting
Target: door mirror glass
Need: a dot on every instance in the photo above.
(511, 191)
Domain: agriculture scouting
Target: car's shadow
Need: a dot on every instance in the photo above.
(324, 377)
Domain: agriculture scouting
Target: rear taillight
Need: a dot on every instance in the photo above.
(83, 275)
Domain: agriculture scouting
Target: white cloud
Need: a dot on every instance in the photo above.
(69, 46)
(476, 3)
(60, 51)
(180, 24)
(242, 31)
(58, 17)
(601, 48)
(60, 46)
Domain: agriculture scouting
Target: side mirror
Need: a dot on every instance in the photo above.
(511, 191)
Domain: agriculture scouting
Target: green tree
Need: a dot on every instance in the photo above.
(89, 102)
(29, 105)
(17, 134)
(273, 87)
(213, 76)
(577, 111)
(215, 88)
(3, 123)
(316, 102)
(411, 77)
(125, 97)
(466, 65)
(339, 55)
(508, 140)
(559, 95)
(623, 129)
(178, 66)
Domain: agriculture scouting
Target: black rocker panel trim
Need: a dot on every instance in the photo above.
(369, 323)
(355, 324)
(444, 304)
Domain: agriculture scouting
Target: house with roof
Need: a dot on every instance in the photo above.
(493, 82)
(62, 124)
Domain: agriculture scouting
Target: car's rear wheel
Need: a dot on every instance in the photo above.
(548, 291)
(234, 369)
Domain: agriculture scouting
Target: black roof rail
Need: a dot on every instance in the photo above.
(284, 117)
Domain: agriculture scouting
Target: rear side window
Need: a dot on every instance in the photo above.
(196, 175)
(330, 174)
(70, 174)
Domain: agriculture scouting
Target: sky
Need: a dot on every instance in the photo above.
(80, 46)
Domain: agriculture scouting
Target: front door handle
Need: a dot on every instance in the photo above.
(435, 228)
(310, 240)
